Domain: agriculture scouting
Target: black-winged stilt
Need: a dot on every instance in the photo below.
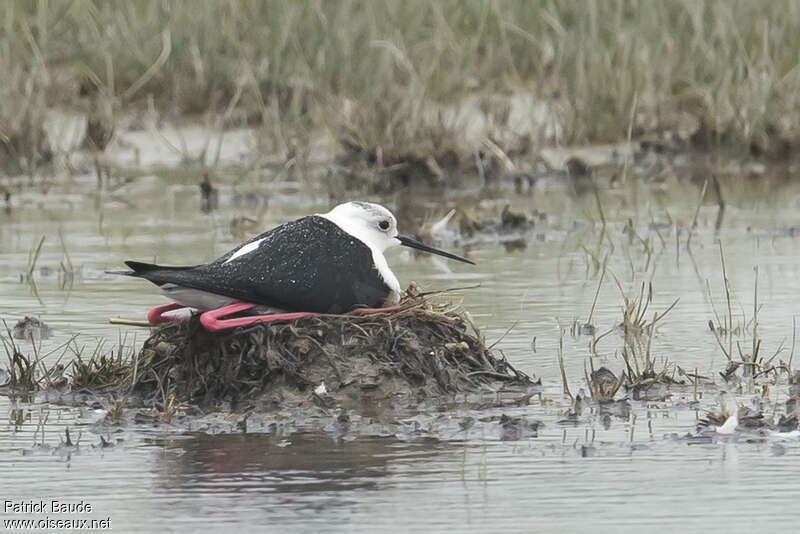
(324, 263)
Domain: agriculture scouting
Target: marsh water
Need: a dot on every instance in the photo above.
(636, 469)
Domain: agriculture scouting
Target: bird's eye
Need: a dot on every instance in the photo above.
(383, 225)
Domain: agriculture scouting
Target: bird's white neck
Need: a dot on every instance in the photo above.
(358, 229)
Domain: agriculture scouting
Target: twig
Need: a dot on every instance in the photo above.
(490, 347)
(794, 331)
(561, 365)
(728, 297)
(128, 322)
(597, 293)
(696, 214)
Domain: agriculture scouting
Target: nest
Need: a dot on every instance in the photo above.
(423, 351)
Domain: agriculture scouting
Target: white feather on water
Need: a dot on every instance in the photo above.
(730, 424)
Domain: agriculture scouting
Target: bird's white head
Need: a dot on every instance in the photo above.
(370, 223)
(376, 227)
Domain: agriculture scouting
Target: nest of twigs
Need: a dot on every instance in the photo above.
(423, 351)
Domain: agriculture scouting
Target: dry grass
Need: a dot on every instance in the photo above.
(733, 332)
(638, 332)
(386, 75)
(642, 369)
(100, 372)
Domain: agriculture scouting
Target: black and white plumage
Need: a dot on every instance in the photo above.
(324, 263)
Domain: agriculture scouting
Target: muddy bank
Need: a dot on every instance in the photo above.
(341, 165)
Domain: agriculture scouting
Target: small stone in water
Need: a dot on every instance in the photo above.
(31, 328)
(587, 329)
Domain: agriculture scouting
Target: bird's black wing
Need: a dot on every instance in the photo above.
(306, 265)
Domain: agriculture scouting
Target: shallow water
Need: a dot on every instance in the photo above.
(633, 470)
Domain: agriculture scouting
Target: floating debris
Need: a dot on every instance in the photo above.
(604, 384)
(585, 329)
(513, 229)
(517, 428)
(787, 423)
(745, 419)
(31, 328)
(730, 424)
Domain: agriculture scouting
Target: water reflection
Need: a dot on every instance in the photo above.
(297, 464)
(277, 478)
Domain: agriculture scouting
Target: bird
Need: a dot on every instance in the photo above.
(324, 263)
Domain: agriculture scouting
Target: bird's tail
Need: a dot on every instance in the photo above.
(139, 268)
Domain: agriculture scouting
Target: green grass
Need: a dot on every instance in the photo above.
(382, 70)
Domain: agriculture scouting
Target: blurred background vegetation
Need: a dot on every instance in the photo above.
(401, 76)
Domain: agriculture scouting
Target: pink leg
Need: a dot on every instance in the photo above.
(154, 315)
(213, 321)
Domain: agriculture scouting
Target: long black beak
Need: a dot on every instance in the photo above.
(413, 243)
